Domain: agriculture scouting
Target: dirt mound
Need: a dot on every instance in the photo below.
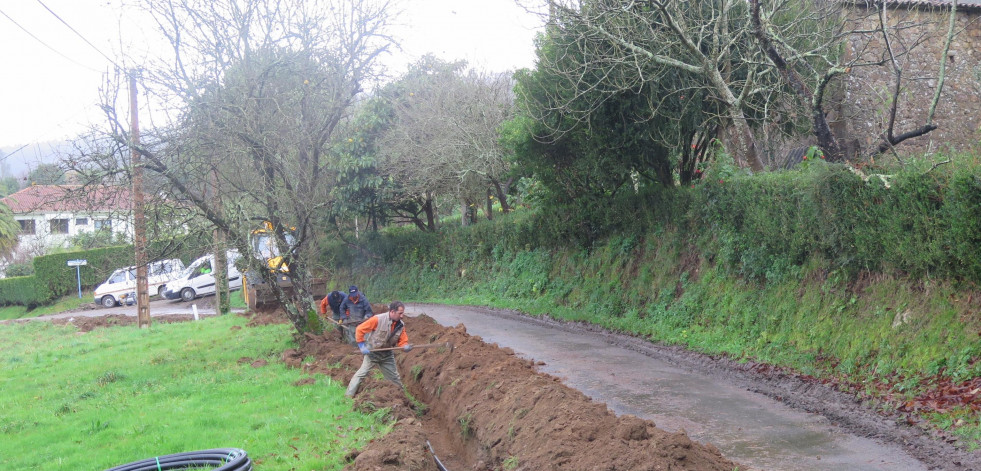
(484, 408)
(87, 324)
(266, 317)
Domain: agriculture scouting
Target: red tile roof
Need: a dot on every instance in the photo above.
(69, 198)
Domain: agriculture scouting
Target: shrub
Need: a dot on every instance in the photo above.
(23, 291)
(20, 269)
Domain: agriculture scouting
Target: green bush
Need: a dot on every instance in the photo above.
(23, 291)
(963, 211)
(761, 227)
(20, 269)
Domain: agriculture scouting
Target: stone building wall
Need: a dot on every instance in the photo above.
(862, 115)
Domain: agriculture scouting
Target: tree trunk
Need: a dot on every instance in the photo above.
(745, 141)
(502, 189)
(222, 300)
(746, 153)
(430, 213)
(489, 207)
(819, 123)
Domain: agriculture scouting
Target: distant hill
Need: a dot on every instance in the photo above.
(18, 161)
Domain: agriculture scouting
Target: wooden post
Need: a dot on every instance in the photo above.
(139, 222)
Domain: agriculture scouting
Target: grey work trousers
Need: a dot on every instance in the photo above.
(385, 362)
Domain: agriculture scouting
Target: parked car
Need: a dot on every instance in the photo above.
(199, 280)
(123, 281)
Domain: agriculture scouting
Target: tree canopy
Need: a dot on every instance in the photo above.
(257, 90)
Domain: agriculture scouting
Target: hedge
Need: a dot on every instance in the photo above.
(23, 291)
(53, 278)
(762, 227)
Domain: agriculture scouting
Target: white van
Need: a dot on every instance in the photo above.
(198, 280)
(122, 282)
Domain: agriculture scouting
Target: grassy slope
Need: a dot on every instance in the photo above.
(879, 335)
(113, 396)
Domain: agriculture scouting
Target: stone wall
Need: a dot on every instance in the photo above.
(918, 33)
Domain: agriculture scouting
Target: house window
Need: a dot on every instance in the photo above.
(59, 226)
(82, 221)
(27, 226)
(103, 224)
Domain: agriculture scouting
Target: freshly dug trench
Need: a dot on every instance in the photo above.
(486, 409)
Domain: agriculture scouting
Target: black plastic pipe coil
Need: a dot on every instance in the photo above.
(227, 459)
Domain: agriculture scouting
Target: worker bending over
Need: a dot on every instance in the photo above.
(380, 331)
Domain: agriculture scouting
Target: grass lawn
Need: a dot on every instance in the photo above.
(95, 400)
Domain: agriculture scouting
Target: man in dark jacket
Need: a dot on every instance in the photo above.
(354, 310)
(356, 307)
(333, 302)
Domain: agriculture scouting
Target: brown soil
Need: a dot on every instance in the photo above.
(486, 409)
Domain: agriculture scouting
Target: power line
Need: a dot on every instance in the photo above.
(79, 34)
(44, 43)
(6, 156)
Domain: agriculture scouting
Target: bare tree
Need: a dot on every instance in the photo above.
(627, 44)
(444, 135)
(806, 54)
(768, 63)
(256, 90)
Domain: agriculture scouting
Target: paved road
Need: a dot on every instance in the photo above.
(747, 427)
(158, 307)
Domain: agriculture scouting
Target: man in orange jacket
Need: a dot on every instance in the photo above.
(333, 302)
(384, 330)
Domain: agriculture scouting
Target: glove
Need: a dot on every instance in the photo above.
(407, 348)
(363, 348)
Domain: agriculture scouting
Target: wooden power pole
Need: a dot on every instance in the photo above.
(139, 222)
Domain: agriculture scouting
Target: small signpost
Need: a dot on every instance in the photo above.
(78, 274)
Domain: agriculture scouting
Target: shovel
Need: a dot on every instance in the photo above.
(448, 345)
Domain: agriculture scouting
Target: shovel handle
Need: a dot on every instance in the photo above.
(427, 345)
(340, 323)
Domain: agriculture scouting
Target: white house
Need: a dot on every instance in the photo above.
(50, 215)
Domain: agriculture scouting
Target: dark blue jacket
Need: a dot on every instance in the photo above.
(334, 300)
(356, 310)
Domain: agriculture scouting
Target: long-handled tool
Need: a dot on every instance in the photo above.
(342, 324)
(447, 345)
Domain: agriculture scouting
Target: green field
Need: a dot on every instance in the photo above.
(95, 400)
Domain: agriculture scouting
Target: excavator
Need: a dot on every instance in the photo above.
(260, 295)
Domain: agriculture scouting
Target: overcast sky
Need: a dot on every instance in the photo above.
(51, 75)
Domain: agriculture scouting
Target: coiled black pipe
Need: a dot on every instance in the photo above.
(227, 459)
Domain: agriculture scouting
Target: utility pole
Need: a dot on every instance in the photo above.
(139, 222)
